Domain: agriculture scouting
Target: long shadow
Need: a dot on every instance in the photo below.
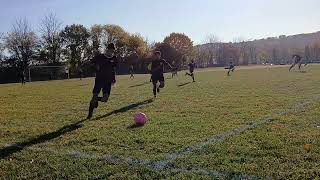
(17, 147)
(138, 85)
(125, 109)
(135, 126)
(184, 84)
(9, 150)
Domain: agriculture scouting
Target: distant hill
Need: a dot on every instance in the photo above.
(277, 50)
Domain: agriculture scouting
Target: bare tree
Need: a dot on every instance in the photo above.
(2, 49)
(209, 54)
(21, 44)
(50, 40)
(242, 44)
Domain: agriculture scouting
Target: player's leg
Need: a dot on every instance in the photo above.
(192, 75)
(293, 65)
(154, 83)
(94, 100)
(106, 92)
(300, 63)
(161, 79)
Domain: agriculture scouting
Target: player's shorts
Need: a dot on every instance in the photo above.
(101, 84)
(157, 78)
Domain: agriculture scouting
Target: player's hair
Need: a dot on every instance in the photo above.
(111, 46)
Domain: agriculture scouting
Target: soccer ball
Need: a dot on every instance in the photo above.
(140, 118)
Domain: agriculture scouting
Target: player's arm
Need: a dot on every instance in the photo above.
(168, 64)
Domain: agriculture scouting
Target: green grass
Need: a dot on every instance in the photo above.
(49, 118)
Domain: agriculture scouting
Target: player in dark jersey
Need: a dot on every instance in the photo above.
(174, 71)
(22, 77)
(157, 70)
(105, 77)
(131, 71)
(297, 60)
(191, 69)
(231, 68)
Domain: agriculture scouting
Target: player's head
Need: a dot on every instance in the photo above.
(110, 49)
(231, 62)
(157, 54)
(296, 56)
(192, 60)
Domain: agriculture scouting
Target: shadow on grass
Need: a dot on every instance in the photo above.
(184, 84)
(125, 109)
(138, 85)
(135, 126)
(17, 147)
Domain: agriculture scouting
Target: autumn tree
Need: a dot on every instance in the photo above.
(75, 41)
(117, 35)
(182, 44)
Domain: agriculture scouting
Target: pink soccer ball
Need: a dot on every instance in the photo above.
(140, 118)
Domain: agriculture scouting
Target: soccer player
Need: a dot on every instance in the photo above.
(105, 77)
(80, 73)
(174, 72)
(231, 68)
(297, 60)
(191, 69)
(131, 70)
(22, 77)
(157, 68)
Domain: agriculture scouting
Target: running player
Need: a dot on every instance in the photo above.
(131, 71)
(105, 77)
(157, 68)
(297, 60)
(231, 68)
(191, 69)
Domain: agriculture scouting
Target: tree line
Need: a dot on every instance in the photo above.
(274, 50)
(74, 45)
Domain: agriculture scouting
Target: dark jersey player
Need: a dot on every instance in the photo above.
(191, 69)
(157, 70)
(131, 71)
(105, 77)
(231, 68)
(297, 60)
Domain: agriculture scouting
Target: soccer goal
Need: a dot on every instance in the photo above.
(42, 73)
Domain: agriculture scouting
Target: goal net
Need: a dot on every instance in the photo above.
(45, 73)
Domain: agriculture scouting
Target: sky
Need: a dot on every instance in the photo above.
(155, 19)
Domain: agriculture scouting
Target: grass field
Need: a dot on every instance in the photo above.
(252, 125)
